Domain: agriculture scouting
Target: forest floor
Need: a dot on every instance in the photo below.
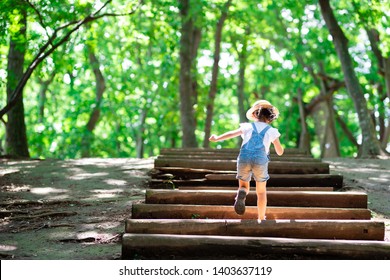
(76, 209)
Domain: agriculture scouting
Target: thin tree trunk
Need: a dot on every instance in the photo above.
(329, 145)
(214, 75)
(186, 102)
(196, 38)
(44, 86)
(386, 134)
(346, 130)
(304, 139)
(140, 134)
(16, 136)
(95, 114)
(370, 145)
(242, 57)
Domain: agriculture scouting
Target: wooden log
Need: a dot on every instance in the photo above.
(282, 180)
(313, 229)
(286, 167)
(197, 156)
(275, 198)
(190, 247)
(276, 180)
(181, 211)
(232, 188)
(226, 150)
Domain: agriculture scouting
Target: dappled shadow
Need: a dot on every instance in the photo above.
(68, 202)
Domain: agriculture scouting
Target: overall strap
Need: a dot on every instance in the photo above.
(261, 132)
(254, 127)
(264, 131)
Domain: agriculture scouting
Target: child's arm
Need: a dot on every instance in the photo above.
(278, 147)
(227, 135)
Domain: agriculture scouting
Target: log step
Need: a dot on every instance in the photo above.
(189, 247)
(287, 151)
(326, 229)
(202, 184)
(274, 167)
(296, 180)
(181, 211)
(197, 156)
(276, 180)
(234, 188)
(275, 198)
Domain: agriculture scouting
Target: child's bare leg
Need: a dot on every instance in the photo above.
(243, 185)
(239, 204)
(261, 199)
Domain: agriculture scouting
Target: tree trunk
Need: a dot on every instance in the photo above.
(330, 144)
(386, 134)
(16, 136)
(370, 145)
(94, 117)
(44, 85)
(140, 134)
(196, 38)
(384, 69)
(214, 75)
(346, 130)
(304, 139)
(242, 57)
(186, 100)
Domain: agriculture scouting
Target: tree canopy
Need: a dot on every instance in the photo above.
(117, 78)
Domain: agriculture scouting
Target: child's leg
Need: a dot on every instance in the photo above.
(243, 185)
(243, 190)
(261, 199)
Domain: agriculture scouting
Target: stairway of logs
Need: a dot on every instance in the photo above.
(188, 212)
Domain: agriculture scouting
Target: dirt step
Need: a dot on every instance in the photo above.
(274, 167)
(313, 229)
(181, 211)
(274, 198)
(169, 246)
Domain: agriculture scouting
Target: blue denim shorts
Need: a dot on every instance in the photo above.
(247, 169)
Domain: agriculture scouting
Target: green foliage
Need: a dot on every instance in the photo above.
(139, 58)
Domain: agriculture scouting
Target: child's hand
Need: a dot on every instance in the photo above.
(213, 138)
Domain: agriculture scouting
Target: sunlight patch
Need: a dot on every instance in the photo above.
(7, 248)
(115, 182)
(84, 176)
(47, 190)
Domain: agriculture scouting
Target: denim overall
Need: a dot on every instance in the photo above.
(253, 158)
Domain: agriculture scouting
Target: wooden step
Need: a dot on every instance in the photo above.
(189, 247)
(280, 180)
(181, 211)
(213, 156)
(274, 167)
(234, 188)
(287, 151)
(202, 184)
(313, 229)
(276, 180)
(275, 198)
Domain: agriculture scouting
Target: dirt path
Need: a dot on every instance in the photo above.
(76, 209)
(71, 209)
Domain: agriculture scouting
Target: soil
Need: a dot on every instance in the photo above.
(76, 209)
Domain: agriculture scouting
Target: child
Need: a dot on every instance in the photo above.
(254, 153)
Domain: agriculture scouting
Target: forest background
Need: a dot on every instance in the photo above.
(83, 78)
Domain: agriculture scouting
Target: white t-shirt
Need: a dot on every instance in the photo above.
(269, 136)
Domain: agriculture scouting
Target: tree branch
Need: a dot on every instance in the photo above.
(43, 52)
